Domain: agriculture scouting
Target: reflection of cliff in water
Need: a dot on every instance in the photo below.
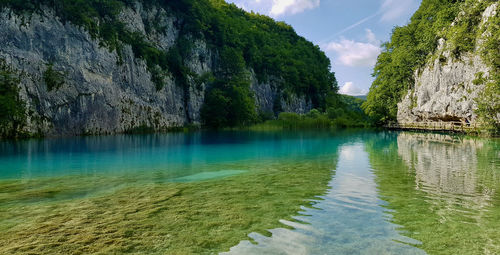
(443, 191)
(446, 167)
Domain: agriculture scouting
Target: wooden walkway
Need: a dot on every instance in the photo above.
(451, 126)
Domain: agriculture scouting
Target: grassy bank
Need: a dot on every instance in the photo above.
(342, 112)
(312, 120)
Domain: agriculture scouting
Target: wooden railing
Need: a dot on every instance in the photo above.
(453, 126)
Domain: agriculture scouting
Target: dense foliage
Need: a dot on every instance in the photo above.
(411, 46)
(489, 101)
(230, 101)
(53, 79)
(271, 49)
(12, 110)
(345, 112)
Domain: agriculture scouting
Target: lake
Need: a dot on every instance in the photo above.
(316, 192)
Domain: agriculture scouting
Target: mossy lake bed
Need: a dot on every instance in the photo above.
(327, 192)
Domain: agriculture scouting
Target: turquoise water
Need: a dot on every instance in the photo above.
(359, 192)
(175, 154)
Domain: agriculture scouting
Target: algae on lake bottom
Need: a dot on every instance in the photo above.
(208, 195)
(156, 217)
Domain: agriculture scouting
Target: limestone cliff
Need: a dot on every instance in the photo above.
(448, 87)
(105, 91)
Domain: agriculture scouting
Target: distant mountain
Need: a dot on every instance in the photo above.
(361, 97)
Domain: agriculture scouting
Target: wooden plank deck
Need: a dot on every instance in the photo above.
(451, 126)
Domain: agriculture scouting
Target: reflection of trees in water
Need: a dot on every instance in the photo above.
(443, 191)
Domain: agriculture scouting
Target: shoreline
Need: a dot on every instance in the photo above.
(446, 127)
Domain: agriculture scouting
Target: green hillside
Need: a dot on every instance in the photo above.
(241, 40)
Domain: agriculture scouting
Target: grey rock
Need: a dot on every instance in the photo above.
(444, 90)
(101, 95)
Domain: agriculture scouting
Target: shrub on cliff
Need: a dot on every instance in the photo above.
(411, 46)
(12, 109)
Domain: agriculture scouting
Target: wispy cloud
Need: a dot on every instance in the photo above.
(389, 10)
(395, 9)
(352, 26)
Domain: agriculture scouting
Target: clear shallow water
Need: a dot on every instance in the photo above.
(349, 219)
(252, 193)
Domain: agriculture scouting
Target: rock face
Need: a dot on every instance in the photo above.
(103, 92)
(447, 87)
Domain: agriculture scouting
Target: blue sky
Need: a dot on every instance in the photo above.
(350, 32)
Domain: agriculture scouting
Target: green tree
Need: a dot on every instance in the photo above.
(12, 108)
(53, 79)
(411, 46)
(238, 42)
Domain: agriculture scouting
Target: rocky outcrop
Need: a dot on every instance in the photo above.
(103, 91)
(269, 98)
(447, 87)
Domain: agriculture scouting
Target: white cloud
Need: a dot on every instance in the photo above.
(281, 7)
(370, 36)
(352, 53)
(350, 89)
(394, 9)
(277, 8)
